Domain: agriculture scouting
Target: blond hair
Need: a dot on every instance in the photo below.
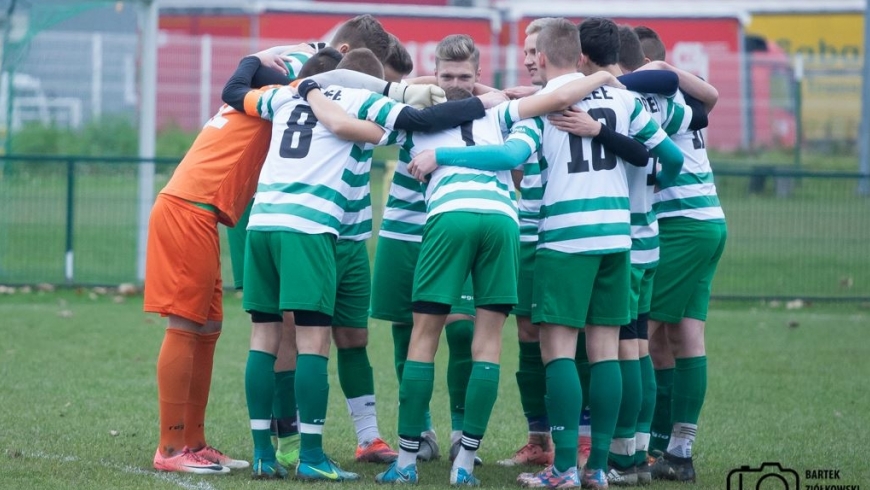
(536, 25)
(457, 47)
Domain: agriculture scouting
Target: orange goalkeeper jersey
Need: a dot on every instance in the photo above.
(222, 166)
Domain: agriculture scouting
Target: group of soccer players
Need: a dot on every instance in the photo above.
(597, 225)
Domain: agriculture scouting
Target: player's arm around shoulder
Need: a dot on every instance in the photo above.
(566, 95)
(645, 129)
(690, 83)
(336, 119)
(514, 152)
(238, 94)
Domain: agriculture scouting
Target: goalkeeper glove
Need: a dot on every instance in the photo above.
(418, 96)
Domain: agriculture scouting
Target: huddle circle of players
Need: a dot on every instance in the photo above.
(584, 205)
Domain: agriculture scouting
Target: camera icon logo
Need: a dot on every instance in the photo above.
(772, 475)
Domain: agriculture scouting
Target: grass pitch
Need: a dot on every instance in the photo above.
(79, 402)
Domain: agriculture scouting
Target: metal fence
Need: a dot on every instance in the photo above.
(73, 220)
(781, 102)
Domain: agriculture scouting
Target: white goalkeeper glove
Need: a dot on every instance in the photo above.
(418, 96)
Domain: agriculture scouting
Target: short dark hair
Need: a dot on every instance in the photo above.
(363, 61)
(363, 31)
(651, 43)
(320, 62)
(399, 59)
(457, 93)
(559, 41)
(599, 40)
(631, 55)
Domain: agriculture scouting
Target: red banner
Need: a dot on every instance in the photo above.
(420, 35)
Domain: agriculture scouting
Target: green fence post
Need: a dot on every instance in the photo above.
(70, 213)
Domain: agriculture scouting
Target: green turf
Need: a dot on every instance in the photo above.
(72, 369)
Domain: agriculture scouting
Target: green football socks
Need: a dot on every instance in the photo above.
(259, 392)
(623, 446)
(312, 395)
(459, 366)
(605, 396)
(564, 400)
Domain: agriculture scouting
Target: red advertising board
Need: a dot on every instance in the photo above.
(707, 47)
(420, 35)
(215, 25)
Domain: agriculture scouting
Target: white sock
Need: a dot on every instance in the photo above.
(465, 460)
(455, 435)
(365, 418)
(623, 447)
(642, 444)
(406, 458)
(682, 438)
(408, 449)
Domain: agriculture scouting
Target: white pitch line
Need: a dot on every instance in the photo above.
(167, 477)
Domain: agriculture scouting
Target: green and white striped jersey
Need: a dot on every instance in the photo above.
(693, 194)
(465, 189)
(296, 59)
(529, 205)
(585, 206)
(356, 223)
(307, 184)
(405, 211)
(641, 181)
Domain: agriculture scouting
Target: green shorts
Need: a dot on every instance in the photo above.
(465, 306)
(526, 279)
(641, 290)
(236, 239)
(288, 271)
(579, 289)
(690, 252)
(353, 284)
(393, 282)
(457, 243)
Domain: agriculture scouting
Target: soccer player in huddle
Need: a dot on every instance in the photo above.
(212, 184)
(363, 31)
(457, 64)
(303, 195)
(530, 377)
(692, 234)
(627, 457)
(584, 232)
(462, 203)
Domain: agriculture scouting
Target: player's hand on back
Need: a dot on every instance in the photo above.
(521, 91)
(492, 99)
(575, 121)
(422, 165)
(273, 61)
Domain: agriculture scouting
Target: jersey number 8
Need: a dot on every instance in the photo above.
(297, 137)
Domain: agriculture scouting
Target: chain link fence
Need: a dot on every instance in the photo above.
(68, 220)
(778, 137)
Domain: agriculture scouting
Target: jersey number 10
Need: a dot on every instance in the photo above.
(297, 137)
(602, 159)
